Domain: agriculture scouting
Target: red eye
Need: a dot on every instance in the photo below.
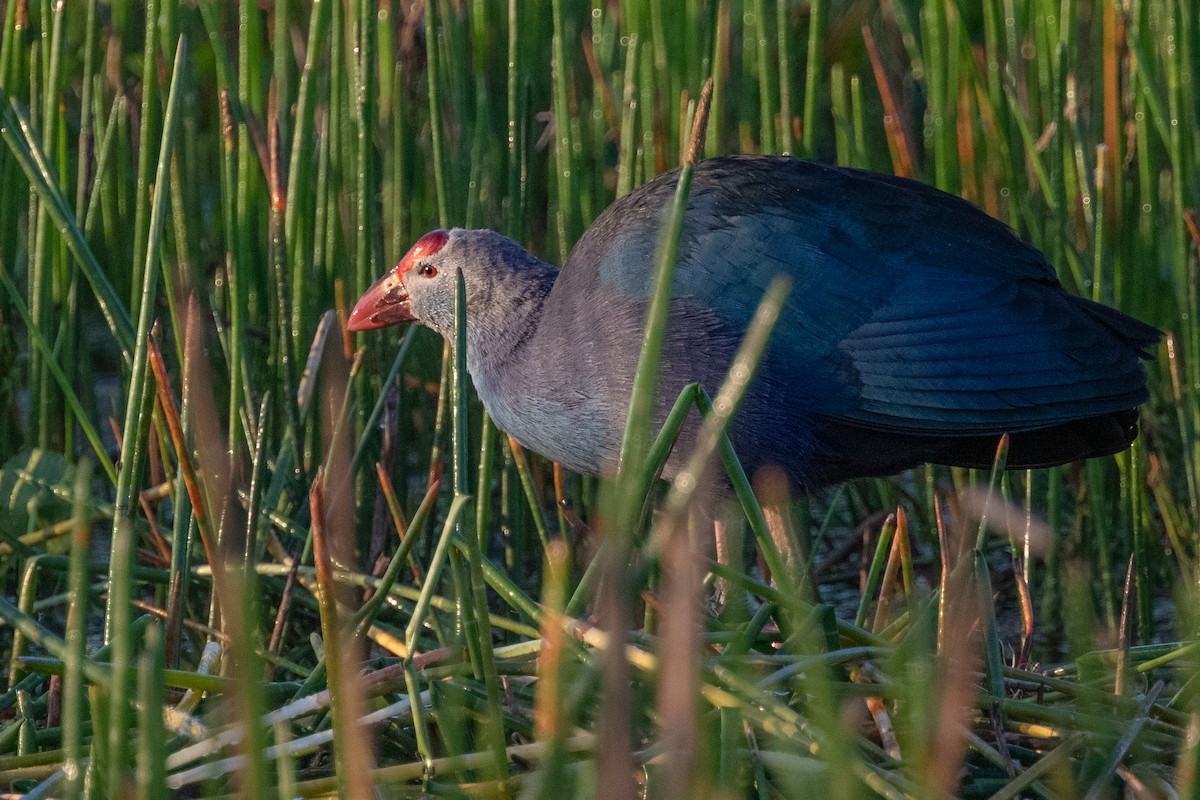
(427, 270)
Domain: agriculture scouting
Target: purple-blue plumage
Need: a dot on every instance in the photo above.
(918, 328)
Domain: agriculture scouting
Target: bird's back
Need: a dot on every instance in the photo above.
(918, 328)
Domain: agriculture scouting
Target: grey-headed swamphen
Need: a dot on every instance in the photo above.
(919, 329)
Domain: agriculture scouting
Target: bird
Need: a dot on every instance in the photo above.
(919, 329)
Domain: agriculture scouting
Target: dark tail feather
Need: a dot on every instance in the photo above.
(1141, 337)
(847, 451)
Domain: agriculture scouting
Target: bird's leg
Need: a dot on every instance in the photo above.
(772, 489)
(728, 526)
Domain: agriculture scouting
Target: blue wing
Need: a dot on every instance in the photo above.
(911, 312)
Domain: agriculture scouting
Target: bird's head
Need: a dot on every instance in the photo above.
(413, 290)
(502, 279)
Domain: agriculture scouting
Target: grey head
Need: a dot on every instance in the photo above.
(505, 289)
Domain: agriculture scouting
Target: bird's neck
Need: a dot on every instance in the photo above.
(538, 386)
(498, 337)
